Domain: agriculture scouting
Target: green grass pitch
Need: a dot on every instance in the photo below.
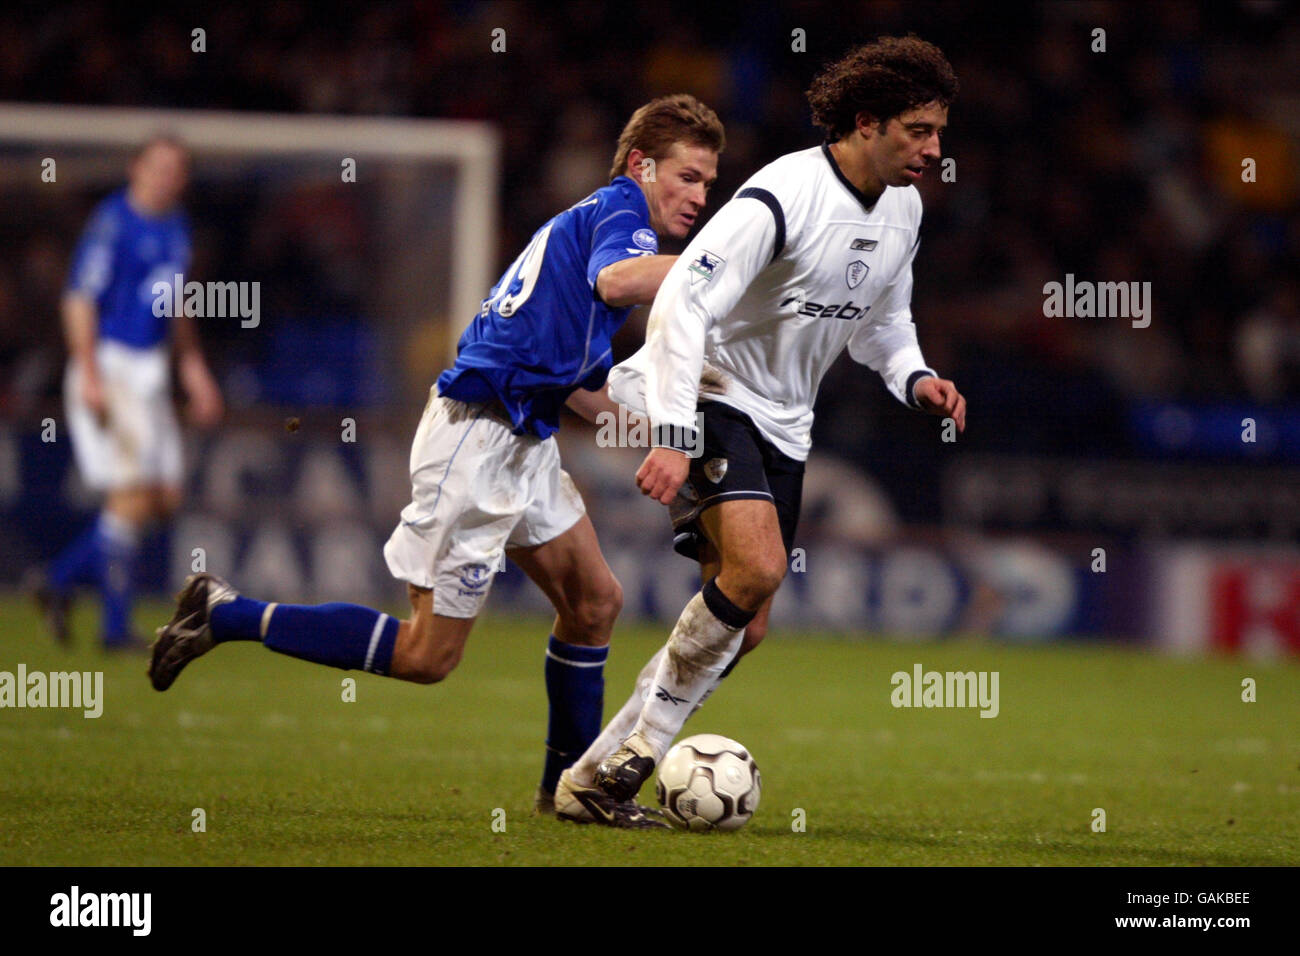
(289, 773)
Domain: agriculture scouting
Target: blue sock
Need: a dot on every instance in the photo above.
(238, 620)
(119, 547)
(347, 636)
(575, 686)
(79, 562)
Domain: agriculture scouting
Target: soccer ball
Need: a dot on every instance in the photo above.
(708, 782)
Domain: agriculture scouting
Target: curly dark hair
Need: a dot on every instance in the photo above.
(883, 78)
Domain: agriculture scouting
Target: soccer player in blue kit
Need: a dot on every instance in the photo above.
(485, 471)
(117, 391)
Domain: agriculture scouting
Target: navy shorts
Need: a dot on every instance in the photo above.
(737, 462)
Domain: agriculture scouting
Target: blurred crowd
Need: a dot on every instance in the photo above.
(1122, 164)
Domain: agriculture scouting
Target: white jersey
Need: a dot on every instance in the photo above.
(794, 268)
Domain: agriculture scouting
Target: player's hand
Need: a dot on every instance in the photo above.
(92, 395)
(939, 396)
(205, 406)
(662, 473)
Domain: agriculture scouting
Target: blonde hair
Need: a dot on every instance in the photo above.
(653, 128)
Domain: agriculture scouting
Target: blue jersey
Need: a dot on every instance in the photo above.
(122, 253)
(542, 331)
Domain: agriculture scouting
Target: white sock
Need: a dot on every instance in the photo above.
(705, 696)
(618, 729)
(699, 650)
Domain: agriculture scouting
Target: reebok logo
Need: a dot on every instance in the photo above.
(665, 696)
(833, 311)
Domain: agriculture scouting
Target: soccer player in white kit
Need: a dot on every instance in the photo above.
(814, 253)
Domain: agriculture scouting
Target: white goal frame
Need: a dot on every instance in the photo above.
(473, 147)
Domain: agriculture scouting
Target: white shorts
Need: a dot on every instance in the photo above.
(140, 443)
(476, 490)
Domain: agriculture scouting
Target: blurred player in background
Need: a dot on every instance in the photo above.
(485, 470)
(118, 392)
(813, 254)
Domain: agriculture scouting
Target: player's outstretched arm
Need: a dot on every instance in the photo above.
(590, 404)
(632, 281)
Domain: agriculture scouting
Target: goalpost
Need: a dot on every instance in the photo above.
(471, 148)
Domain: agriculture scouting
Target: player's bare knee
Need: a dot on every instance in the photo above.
(429, 663)
(425, 675)
(756, 580)
(132, 505)
(166, 502)
(774, 574)
(419, 675)
(610, 601)
(421, 655)
(435, 667)
(595, 613)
